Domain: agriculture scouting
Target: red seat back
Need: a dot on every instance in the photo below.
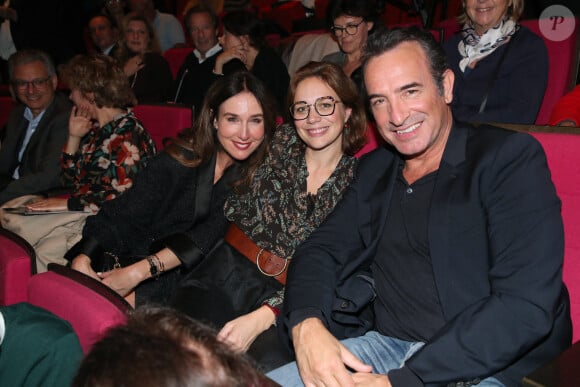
(563, 66)
(164, 121)
(175, 57)
(88, 305)
(562, 154)
(17, 258)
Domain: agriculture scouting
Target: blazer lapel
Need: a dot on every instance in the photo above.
(379, 195)
(439, 214)
(203, 189)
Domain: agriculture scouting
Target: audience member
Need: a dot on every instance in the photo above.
(462, 231)
(36, 130)
(104, 34)
(309, 166)
(244, 47)
(36, 348)
(567, 110)
(350, 21)
(148, 72)
(106, 148)
(195, 75)
(501, 67)
(175, 209)
(162, 347)
(167, 28)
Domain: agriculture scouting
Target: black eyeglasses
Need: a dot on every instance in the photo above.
(324, 106)
(350, 29)
(36, 83)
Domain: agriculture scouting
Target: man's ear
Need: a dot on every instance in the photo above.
(54, 81)
(448, 81)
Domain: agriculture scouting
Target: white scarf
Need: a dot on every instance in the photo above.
(474, 47)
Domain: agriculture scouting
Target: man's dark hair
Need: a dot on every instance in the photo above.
(108, 17)
(386, 40)
(201, 9)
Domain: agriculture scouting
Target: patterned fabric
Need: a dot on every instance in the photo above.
(278, 213)
(474, 47)
(107, 161)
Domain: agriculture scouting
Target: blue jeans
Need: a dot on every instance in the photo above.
(383, 353)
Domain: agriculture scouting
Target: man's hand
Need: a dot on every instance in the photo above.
(372, 380)
(321, 358)
(241, 332)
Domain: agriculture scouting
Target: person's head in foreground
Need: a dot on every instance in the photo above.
(161, 347)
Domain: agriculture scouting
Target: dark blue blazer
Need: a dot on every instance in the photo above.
(496, 242)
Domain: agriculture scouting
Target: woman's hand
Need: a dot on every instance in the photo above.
(79, 122)
(82, 263)
(50, 204)
(241, 332)
(125, 279)
(133, 65)
(237, 52)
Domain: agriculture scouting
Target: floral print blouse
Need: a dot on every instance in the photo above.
(106, 162)
(277, 212)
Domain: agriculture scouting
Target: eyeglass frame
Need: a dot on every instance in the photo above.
(309, 105)
(342, 30)
(36, 83)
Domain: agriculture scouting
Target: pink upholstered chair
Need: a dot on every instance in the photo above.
(563, 62)
(562, 153)
(17, 261)
(88, 305)
(175, 57)
(164, 120)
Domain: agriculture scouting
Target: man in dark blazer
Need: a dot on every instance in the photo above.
(104, 34)
(461, 230)
(195, 77)
(36, 130)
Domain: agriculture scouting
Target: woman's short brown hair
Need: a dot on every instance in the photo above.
(354, 133)
(101, 76)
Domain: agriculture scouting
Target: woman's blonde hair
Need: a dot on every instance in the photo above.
(514, 11)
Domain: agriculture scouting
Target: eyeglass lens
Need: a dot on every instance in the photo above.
(324, 106)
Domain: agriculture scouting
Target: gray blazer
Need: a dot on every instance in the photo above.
(40, 166)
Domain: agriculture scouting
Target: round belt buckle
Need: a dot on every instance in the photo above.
(264, 272)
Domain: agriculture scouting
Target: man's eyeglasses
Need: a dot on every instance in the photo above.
(36, 83)
(324, 106)
(350, 29)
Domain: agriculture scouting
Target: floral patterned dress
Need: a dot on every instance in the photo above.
(277, 212)
(106, 162)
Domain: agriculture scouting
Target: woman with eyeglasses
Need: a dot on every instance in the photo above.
(350, 21)
(239, 286)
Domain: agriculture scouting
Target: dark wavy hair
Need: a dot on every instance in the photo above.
(384, 41)
(159, 346)
(199, 143)
(101, 76)
(246, 23)
(367, 9)
(354, 134)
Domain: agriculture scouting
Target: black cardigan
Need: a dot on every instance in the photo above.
(170, 205)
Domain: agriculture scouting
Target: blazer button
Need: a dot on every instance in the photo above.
(344, 304)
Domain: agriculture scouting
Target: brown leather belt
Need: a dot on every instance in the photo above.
(269, 264)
